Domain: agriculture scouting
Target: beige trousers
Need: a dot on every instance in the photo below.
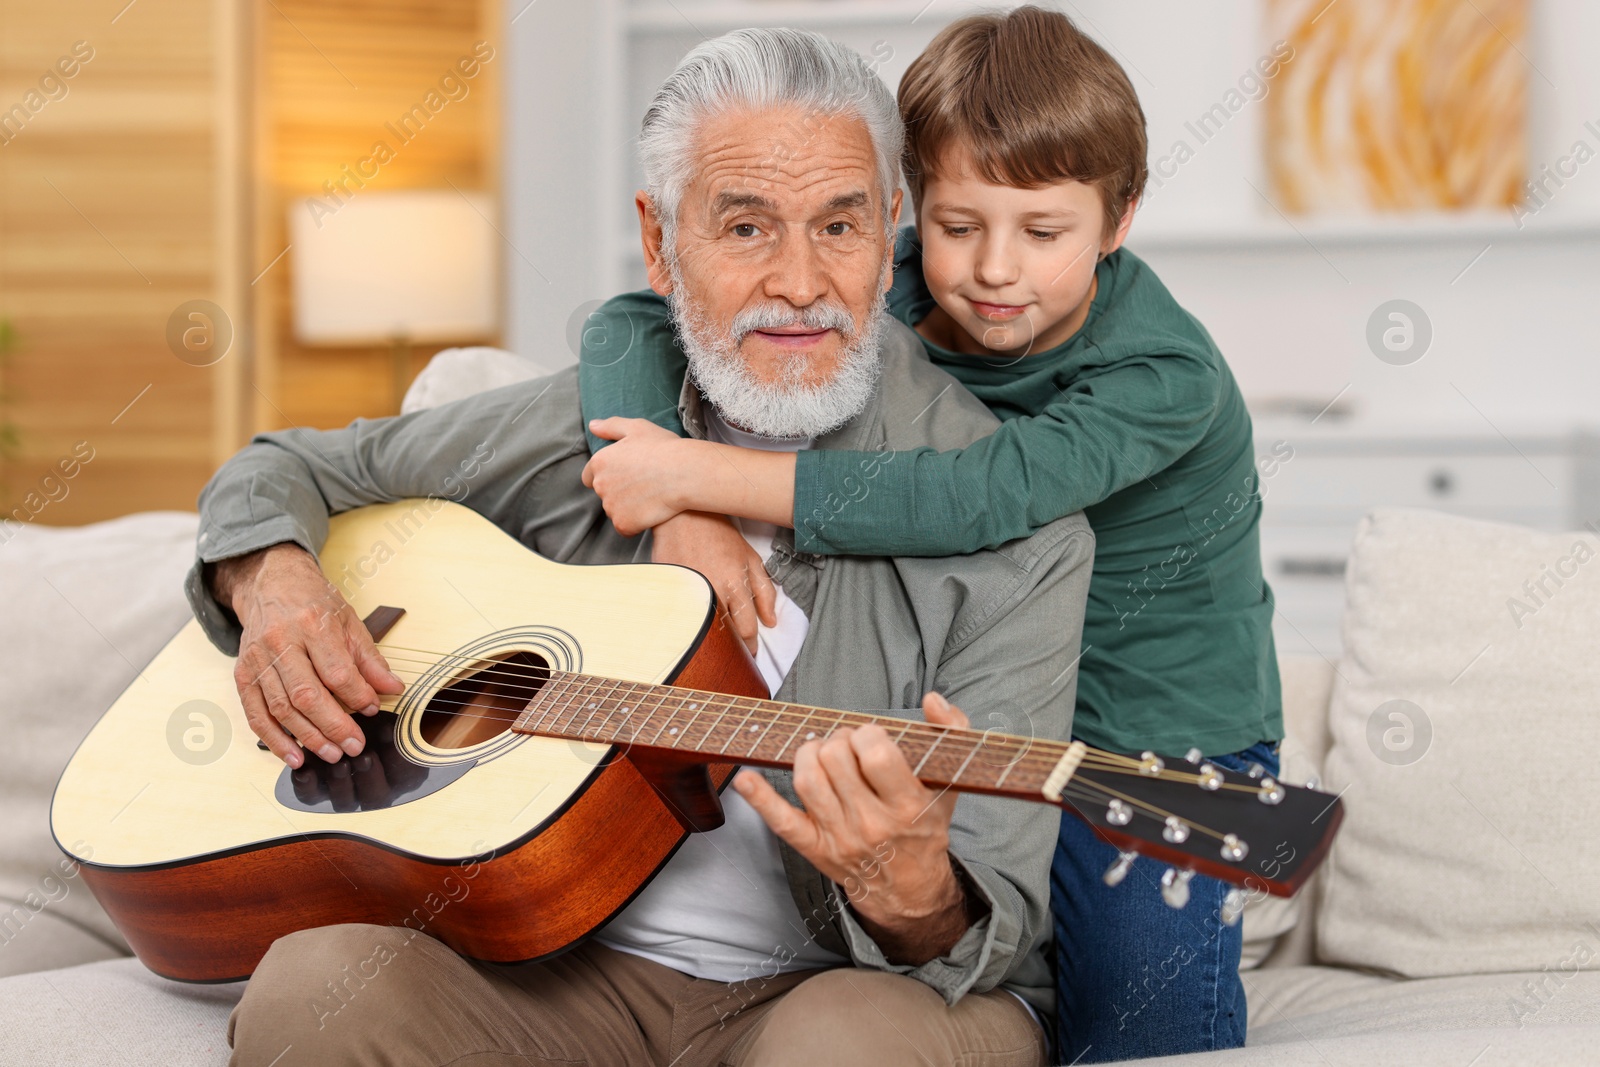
(383, 995)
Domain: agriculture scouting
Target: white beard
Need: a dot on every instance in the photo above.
(789, 407)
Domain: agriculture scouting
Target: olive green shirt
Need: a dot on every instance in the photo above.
(987, 630)
(1136, 420)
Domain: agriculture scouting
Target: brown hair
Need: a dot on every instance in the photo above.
(1033, 100)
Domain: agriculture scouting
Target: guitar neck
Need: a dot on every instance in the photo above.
(726, 729)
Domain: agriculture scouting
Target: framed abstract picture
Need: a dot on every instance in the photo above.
(1398, 105)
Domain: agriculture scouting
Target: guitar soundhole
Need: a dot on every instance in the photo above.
(483, 703)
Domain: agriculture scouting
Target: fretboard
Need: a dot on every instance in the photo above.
(769, 733)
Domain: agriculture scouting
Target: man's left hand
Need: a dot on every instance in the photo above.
(880, 834)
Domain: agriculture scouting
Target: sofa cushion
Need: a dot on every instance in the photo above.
(113, 1012)
(1542, 1047)
(86, 608)
(1311, 1003)
(1276, 931)
(1463, 716)
(457, 373)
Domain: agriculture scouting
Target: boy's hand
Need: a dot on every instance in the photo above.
(711, 545)
(636, 477)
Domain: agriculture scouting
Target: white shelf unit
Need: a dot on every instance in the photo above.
(1266, 230)
(645, 39)
(1546, 479)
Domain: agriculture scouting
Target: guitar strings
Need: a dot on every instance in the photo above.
(590, 685)
(1102, 760)
(781, 714)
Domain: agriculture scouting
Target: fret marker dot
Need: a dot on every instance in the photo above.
(811, 736)
(673, 730)
(625, 709)
(693, 706)
(592, 704)
(754, 727)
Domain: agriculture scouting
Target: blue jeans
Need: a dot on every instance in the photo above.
(1134, 977)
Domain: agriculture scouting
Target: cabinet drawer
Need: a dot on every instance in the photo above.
(1317, 489)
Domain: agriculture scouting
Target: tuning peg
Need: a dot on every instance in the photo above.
(1271, 792)
(1176, 830)
(1194, 755)
(1175, 887)
(1119, 813)
(1210, 778)
(1255, 770)
(1232, 907)
(1313, 782)
(1233, 849)
(1119, 869)
(1151, 764)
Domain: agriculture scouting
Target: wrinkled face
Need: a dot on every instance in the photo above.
(1012, 268)
(779, 266)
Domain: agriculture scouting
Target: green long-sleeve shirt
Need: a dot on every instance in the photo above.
(1135, 419)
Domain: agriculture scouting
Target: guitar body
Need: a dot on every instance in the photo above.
(204, 849)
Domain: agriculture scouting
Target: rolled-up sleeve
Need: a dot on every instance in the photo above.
(488, 452)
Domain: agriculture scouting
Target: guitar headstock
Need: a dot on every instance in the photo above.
(1248, 829)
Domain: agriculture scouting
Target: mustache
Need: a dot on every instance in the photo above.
(820, 315)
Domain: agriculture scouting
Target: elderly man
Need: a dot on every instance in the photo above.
(771, 160)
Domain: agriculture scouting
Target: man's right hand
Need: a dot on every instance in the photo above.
(306, 663)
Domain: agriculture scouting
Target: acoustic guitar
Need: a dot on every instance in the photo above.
(562, 730)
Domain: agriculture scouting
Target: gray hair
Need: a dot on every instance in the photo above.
(760, 68)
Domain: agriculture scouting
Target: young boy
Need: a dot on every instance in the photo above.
(1026, 158)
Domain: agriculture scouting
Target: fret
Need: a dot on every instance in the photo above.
(758, 736)
(661, 693)
(698, 708)
(545, 693)
(584, 696)
(565, 709)
(671, 714)
(794, 735)
(669, 725)
(596, 705)
(917, 770)
(955, 778)
(1011, 767)
(737, 731)
(725, 703)
(626, 704)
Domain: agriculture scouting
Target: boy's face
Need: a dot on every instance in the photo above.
(1013, 269)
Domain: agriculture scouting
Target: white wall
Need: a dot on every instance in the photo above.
(552, 202)
(1514, 335)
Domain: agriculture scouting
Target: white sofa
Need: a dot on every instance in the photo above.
(1456, 923)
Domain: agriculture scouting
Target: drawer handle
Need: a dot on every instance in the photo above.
(1441, 482)
(1311, 567)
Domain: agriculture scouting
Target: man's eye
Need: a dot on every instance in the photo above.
(837, 229)
(744, 229)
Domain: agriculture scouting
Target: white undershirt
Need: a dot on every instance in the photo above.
(721, 908)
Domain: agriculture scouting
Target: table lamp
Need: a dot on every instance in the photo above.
(393, 267)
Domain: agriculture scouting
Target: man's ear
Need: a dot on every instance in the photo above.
(650, 235)
(1126, 224)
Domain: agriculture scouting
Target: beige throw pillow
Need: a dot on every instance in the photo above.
(1465, 718)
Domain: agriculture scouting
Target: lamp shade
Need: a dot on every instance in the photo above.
(417, 265)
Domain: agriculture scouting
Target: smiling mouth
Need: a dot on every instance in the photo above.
(792, 338)
(998, 312)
